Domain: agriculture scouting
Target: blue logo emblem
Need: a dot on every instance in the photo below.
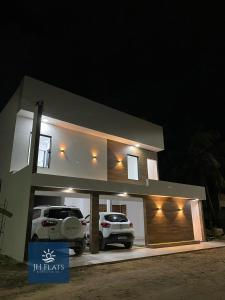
(48, 262)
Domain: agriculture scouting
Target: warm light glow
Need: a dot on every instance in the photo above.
(123, 194)
(137, 145)
(94, 156)
(62, 150)
(69, 190)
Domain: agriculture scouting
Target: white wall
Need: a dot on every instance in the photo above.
(77, 160)
(16, 191)
(82, 203)
(21, 143)
(197, 220)
(78, 110)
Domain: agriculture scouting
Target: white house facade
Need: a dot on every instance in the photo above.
(60, 148)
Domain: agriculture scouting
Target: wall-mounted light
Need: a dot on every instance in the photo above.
(119, 160)
(62, 150)
(94, 156)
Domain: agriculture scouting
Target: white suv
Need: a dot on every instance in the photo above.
(59, 223)
(114, 228)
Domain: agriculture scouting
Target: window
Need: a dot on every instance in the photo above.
(36, 213)
(62, 213)
(152, 169)
(115, 218)
(44, 151)
(132, 166)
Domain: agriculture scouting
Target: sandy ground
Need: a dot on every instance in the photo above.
(196, 275)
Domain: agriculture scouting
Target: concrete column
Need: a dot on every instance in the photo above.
(145, 221)
(94, 223)
(29, 222)
(109, 205)
(36, 130)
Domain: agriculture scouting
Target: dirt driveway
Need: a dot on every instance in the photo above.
(196, 275)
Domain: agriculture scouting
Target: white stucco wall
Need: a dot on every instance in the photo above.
(16, 192)
(77, 160)
(82, 203)
(68, 107)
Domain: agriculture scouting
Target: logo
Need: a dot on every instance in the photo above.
(49, 256)
(48, 262)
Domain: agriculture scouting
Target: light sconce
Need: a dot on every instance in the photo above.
(119, 160)
(62, 150)
(94, 156)
(158, 208)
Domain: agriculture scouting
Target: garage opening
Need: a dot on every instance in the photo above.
(130, 207)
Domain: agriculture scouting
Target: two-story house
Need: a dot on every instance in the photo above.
(60, 148)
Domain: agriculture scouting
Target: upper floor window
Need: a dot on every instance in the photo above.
(152, 169)
(132, 167)
(44, 151)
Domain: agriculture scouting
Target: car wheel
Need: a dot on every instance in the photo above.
(128, 245)
(35, 238)
(78, 251)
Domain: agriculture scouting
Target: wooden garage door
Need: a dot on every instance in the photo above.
(168, 220)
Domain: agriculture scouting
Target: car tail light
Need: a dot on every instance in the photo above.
(48, 223)
(131, 225)
(105, 225)
(83, 222)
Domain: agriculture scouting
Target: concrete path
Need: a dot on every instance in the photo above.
(117, 254)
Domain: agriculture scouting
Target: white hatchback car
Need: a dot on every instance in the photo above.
(59, 223)
(114, 228)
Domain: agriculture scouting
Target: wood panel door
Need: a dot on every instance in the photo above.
(120, 209)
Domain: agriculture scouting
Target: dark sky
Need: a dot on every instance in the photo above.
(163, 62)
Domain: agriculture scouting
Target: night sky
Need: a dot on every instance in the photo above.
(164, 62)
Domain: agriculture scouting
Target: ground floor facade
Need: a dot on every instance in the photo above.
(164, 214)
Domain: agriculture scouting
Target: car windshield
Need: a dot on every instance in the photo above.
(116, 218)
(62, 213)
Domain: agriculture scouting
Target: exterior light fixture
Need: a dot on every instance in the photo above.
(123, 194)
(119, 160)
(62, 150)
(94, 156)
(69, 190)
